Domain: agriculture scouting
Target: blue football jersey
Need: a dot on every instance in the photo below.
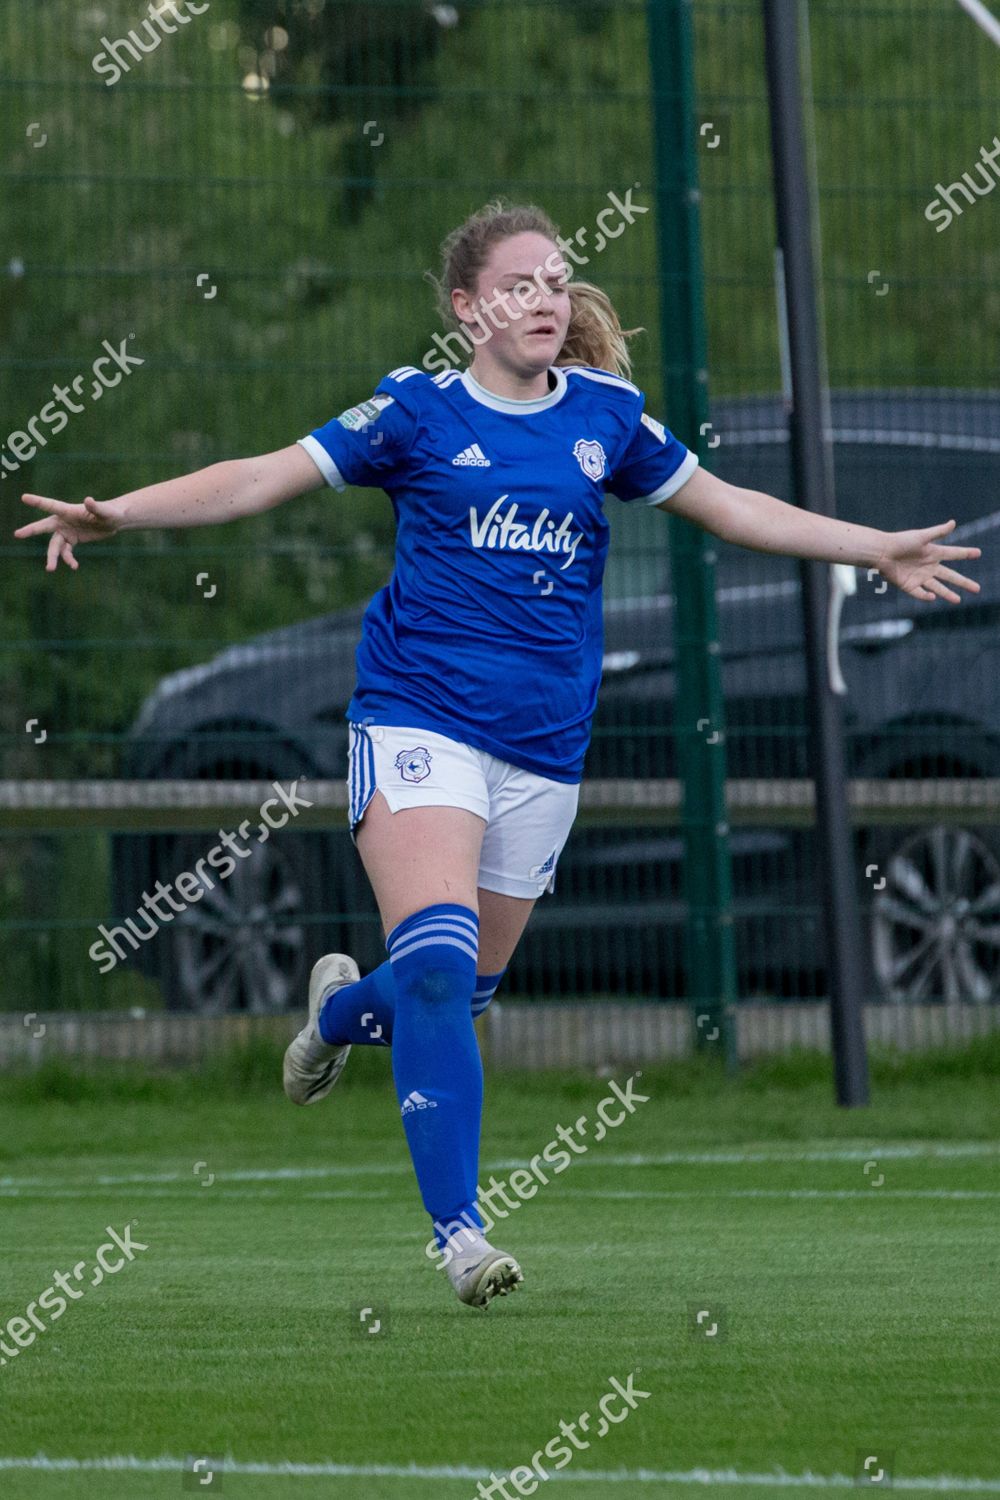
(490, 629)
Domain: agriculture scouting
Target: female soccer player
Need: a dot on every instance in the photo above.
(479, 662)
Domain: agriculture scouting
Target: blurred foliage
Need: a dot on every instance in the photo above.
(305, 158)
(308, 156)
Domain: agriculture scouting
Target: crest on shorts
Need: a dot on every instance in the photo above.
(591, 458)
(414, 765)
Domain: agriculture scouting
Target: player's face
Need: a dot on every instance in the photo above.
(522, 300)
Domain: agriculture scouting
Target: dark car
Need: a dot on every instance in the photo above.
(923, 702)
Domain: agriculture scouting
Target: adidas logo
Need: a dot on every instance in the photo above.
(416, 1101)
(472, 458)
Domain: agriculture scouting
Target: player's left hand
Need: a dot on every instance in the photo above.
(916, 563)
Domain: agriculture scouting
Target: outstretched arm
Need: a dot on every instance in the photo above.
(222, 492)
(913, 560)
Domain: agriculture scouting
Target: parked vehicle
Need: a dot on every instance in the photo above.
(923, 702)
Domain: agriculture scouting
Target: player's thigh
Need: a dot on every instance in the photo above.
(419, 856)
(502, 920)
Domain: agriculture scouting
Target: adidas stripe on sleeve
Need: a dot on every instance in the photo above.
(653, 466)
(367, 444)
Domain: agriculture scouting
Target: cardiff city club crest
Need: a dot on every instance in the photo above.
(590, 456)
(414, 765)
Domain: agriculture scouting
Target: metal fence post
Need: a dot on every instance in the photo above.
(812, 471)
(699, 722)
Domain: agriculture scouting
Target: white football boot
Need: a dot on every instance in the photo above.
(478, 1272)
(311, 1066)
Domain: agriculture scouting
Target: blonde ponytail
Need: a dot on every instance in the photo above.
(595, 335)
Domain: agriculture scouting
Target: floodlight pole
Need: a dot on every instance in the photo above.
(812, 469)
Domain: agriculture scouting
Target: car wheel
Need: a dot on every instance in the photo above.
(933, 923)
(247, 944)
(935, 915)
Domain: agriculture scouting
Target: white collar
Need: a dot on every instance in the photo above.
(508, 404)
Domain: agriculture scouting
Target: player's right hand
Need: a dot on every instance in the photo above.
(69, 525)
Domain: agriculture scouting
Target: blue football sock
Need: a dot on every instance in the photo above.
(435, 1056)
(486, 986)
(364, 1012)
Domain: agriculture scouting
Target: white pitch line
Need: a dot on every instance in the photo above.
(779, 1479)
(272, 1174)
(916, 1151)
(983, 17)
(262, 1174)
(870, 1193)
(182, 1195)
(702, 1195)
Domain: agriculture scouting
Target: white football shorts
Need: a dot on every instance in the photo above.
(528, 817)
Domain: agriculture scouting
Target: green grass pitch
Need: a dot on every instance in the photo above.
(848, 1260)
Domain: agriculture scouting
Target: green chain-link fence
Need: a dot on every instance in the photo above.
(249, 209)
